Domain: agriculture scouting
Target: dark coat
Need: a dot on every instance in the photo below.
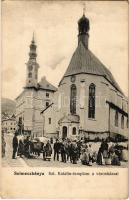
(56, 146)
(100, 157)
(104, 146)
(20, 148)
(62, 147)
(15, 142)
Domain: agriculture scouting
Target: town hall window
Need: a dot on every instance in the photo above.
(116, 118)
(47, 104)
(91, 109)
(30, 75)
(73, 99)
(36, 76)
(122, 121)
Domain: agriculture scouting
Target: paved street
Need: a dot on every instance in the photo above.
(38, 161)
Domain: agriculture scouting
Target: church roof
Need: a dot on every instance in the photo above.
(84, 61)
(44, 84)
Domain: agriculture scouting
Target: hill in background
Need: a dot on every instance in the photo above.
(8, 106)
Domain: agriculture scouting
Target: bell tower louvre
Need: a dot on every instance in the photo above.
(32, 66)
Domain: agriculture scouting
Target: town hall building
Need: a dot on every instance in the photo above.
(35, 97)
(88, 101)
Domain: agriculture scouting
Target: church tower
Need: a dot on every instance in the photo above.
(32, 66)
(83, 29)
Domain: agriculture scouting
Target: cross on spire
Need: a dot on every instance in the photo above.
(33, 38)
(84, 8)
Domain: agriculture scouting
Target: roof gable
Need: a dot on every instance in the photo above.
(84, 61)
(44, 84)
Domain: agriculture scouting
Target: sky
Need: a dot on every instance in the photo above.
(55, 26)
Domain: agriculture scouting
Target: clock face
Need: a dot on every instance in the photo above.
(73, 79)
(30, 67)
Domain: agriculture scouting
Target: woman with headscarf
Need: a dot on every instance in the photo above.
(20, 147)
(85, 156)
(48, 150)
(100, 156)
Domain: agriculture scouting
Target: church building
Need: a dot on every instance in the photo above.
(88, 102)
(35, 96)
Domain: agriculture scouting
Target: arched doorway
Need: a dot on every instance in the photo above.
(64, 132)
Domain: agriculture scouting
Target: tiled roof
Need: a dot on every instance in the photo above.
(44, 84)
(84, 61)
(8, 117)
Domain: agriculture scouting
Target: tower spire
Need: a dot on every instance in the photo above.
(32, 65)
(32, 53)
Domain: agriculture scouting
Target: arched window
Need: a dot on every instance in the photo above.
(73, 99)
(91, 109)
(116, 118)
(122, 121)
(74, 130)
(30, 75)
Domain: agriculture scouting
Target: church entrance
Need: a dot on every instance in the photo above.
(64, 132)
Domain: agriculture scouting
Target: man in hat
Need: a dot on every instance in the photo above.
(15, 145)
(56, 149)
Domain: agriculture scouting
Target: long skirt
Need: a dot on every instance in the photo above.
(100, 158)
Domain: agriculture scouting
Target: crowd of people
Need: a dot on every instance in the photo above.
(108, 153)
(66, 150)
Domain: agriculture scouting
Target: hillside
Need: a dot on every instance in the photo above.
(8, 106)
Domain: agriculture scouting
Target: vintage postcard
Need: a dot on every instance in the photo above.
(64, 99)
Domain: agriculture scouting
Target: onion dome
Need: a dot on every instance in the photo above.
(83, 25)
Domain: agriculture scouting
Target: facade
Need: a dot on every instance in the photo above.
(89, 102)
(9, 124)
(35, 97)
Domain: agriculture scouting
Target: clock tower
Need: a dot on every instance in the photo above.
(32, 66)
